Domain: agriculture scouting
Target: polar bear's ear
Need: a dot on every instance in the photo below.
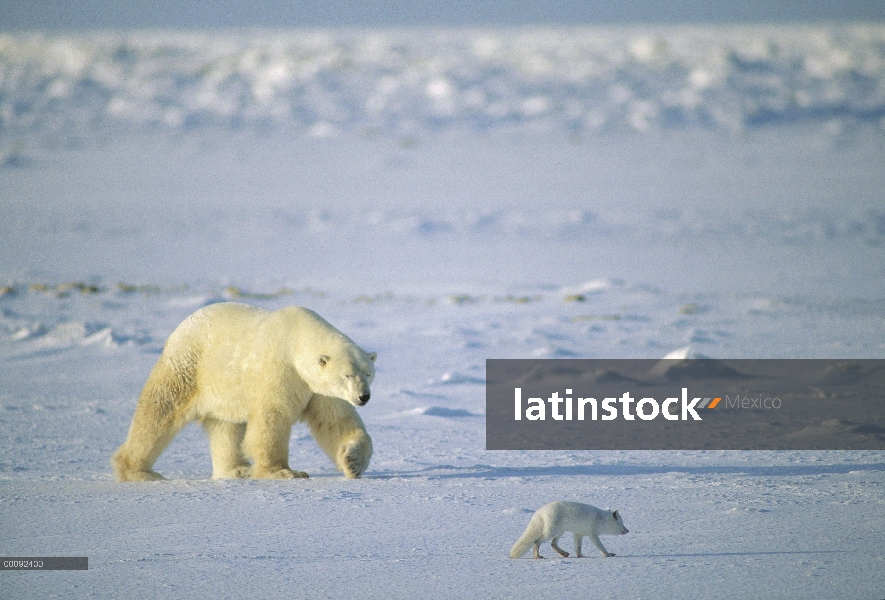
(323, 360)
(373, 356)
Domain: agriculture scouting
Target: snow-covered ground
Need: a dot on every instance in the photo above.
(442, 199)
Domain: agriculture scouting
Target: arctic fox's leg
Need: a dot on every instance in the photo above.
(578, 539)
(595, 539)
(555, 544)
(537, 548)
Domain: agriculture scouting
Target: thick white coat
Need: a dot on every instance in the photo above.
(248, 374)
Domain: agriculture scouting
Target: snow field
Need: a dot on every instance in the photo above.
(441, 199)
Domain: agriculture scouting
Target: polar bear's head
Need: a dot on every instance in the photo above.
(344, 373)
(328, 361)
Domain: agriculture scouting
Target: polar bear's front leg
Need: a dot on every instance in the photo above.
(267, 443)
(225, 445)
(354, 454)
(339, 431)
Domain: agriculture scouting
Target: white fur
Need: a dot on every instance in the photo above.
(552, 520)
(248, 374)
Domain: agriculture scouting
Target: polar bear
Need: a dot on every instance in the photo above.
(248, 374)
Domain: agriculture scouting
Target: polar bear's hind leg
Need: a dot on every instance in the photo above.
(159, 416)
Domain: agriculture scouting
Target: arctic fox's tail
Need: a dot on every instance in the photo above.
(532, 534)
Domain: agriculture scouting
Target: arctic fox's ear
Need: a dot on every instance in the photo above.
(373, 356)
(323, 360)
(615, 515)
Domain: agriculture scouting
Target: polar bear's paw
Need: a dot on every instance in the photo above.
(127, 469)
(281, 473)
(290, 474)
(241, 472)
(353, 467)
(354, 457)
(140, 476)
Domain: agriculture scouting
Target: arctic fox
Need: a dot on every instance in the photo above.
(552, 520)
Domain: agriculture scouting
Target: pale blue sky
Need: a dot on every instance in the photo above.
(89, 14)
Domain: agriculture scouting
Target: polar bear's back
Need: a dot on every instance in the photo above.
(240, 321)
(231, 331)
(213, 326)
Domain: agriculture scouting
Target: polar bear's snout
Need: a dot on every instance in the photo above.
(362, 393)
(356, 389)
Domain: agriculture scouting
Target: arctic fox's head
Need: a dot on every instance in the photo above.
(613, 525)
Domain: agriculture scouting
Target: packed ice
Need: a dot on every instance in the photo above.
(324, 82)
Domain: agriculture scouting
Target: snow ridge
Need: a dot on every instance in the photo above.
(409, 82)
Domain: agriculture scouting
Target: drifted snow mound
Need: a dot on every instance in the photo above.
(65, 335)
(851, 372)
(565, 372)
(451, 378)
(685, 363)
(434, 411)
